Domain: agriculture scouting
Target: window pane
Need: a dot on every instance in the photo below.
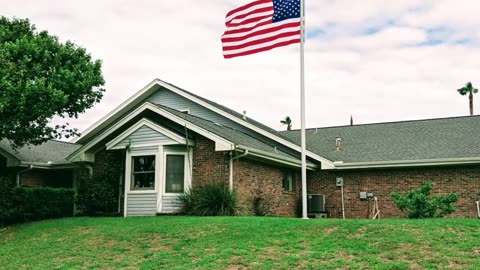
(143, 173)
(144, 163)
(288, 181)
(175, 173)
(143, 180)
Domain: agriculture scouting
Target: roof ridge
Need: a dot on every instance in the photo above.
(389, 122)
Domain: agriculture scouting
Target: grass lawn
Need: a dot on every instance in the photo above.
(241, 242)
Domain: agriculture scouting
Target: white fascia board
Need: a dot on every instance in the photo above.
(220, 143)
(325, 162)
(120, 109)
(339, 165)
(275, 158)
(147, 123)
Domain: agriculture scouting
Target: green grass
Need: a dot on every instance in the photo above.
(174, 242)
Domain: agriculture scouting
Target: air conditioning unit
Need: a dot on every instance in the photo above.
(315, 203)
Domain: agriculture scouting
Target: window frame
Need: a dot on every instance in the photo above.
(129, 171)
(291, 183)
(132, 172)
(186, 166)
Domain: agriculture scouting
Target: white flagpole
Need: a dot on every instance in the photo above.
(302, 109)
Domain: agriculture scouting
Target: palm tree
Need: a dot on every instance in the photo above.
(468, 88)
(287, 121)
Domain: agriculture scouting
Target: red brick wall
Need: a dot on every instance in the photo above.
(253, 179)
(111, 161)
(465, 181)
(50, 178)
(209, 166)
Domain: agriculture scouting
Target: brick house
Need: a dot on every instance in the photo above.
(164, 139)
(42, 165)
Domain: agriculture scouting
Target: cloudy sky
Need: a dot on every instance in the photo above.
(376, 60)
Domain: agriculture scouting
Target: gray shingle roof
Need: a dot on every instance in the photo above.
(236, 114)
(50, 151)
(456, 137)
(228, 133)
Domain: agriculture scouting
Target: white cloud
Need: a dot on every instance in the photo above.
(367, 63)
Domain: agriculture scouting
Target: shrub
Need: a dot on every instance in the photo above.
(420, 204)
(210, 200)
(98, 195)
(20, 204)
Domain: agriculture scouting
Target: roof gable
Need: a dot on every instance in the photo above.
(144, 133)
(157, 84)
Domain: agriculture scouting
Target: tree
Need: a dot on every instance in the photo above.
(41, 77)
(468, 89)
(287, 121)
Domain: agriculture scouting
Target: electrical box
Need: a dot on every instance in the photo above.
(363, 195)
(339, 182)
(370, 195)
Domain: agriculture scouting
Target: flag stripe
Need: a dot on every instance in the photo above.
(247, 8)
(249, 27)
(253, 14)
(269, 38)
(253, 20)
(262, 31)
(262, 49)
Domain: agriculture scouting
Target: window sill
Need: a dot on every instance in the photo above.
(149, 191)
(289, 192)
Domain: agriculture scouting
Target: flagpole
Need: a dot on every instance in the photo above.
(302, 109)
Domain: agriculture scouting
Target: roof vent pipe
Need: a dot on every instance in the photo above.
(338, 140)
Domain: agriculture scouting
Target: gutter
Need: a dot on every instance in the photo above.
(276, 158)
(406, 163)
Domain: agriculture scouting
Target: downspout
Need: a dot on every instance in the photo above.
(90, 169)
(478, 209)
(230, 180)
(20, 172)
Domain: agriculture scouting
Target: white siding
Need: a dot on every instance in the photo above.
(170, 99)
(141, 204)
(170, 204)
(145, 135)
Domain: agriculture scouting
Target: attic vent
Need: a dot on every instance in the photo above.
(244, 115)
(338, 141)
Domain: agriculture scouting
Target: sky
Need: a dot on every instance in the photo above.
(379, 61)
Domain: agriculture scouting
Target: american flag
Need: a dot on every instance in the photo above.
(261, 26)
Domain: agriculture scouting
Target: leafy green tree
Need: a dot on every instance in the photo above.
(420, 204)
(468, 89)
(41, 77)
(287, 121)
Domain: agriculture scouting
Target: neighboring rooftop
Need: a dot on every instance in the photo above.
(51, 151)
(443, 138)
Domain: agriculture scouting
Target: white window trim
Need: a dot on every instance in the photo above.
(187, 170)
(128, 172)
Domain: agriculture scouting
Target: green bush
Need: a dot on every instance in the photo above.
(420, 204)
(98, 195)
(21, 204)
(210, 200)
